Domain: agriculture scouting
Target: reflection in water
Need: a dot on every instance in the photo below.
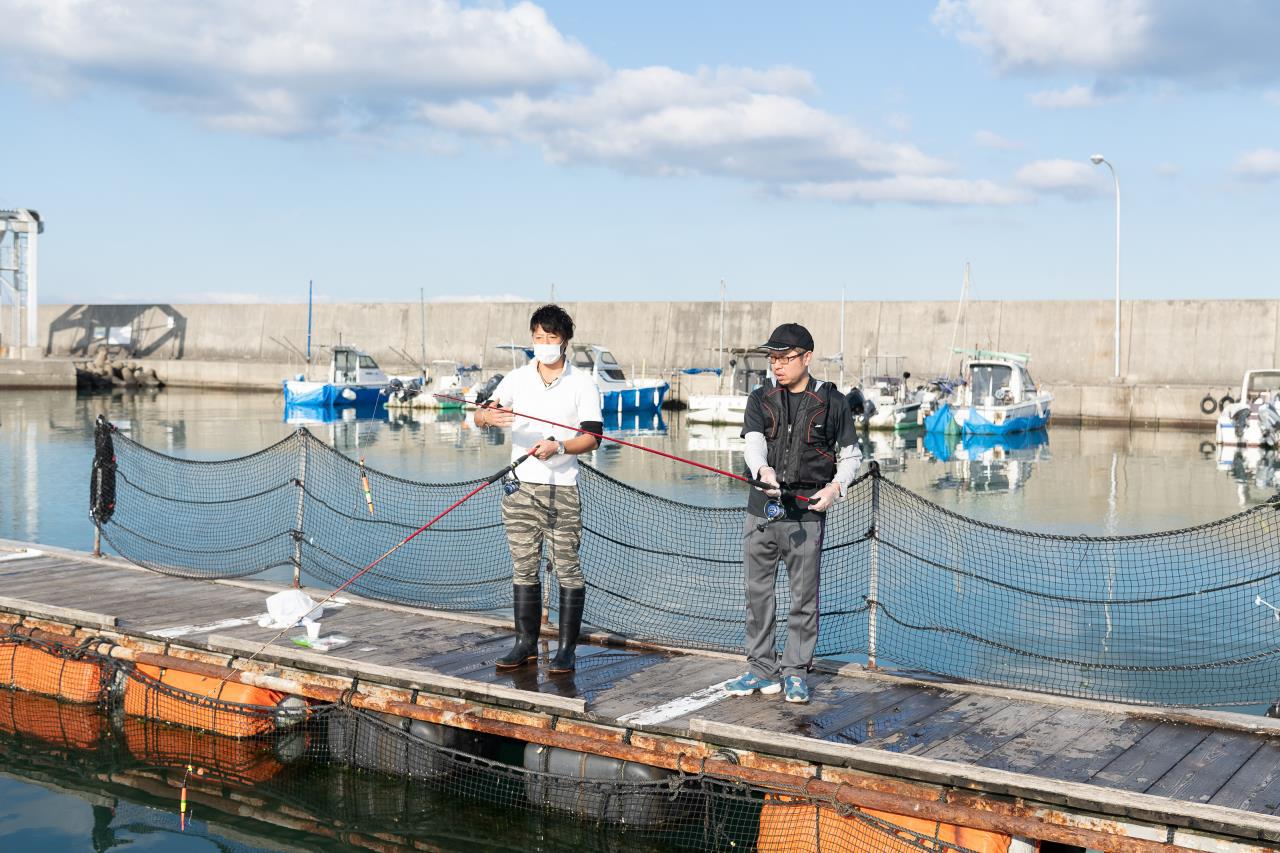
(1255, 470)
(987, 464)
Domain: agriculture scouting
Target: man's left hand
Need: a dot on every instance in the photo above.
(824, 498)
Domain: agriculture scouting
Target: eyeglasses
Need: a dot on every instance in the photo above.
(775, 360)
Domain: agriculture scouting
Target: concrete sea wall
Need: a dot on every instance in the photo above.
(1188, 345)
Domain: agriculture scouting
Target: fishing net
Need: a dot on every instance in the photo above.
(367, 779)
(1182, 617)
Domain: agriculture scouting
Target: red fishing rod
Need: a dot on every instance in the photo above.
(759, 484)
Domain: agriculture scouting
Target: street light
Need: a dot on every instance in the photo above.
(1098, 160)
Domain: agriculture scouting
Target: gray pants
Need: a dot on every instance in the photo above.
(799, 545)
(537, 512)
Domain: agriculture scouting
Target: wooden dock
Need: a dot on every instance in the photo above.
(1033, 765)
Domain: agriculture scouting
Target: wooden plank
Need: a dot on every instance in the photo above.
(1034, 746)
(397, 676)
(668, 680)
(1095, 749)
(935, 729)
(1205, 769)
(990, 734)
(55, 613)
(885, 722)
(1138, 768)
(1080, 797)
(1256, 785)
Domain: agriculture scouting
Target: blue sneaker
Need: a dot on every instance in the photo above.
(797, 690)
(748, 683)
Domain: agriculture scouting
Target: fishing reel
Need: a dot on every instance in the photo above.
(773, 511)
(510, 485)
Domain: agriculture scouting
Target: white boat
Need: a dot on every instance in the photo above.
(1254, 420)
(998, 397)
(885, 385)
(617, 392)
(748, 369)
(354, 380)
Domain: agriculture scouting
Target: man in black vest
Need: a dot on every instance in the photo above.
(800, 440)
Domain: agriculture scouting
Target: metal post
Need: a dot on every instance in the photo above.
(97, 539)
(1098, 160)
(720, 378)
(422, 311)
(873, 584)
(297, 531)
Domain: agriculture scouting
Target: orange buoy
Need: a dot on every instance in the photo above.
(789, 826)
(36, 668)
(210, 704)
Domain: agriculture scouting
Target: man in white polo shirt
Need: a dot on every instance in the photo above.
(542, 499)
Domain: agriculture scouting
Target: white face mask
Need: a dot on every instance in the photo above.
(547, 353)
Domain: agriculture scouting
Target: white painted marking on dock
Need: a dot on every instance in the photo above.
(677, 707)
(184, 630)
(24, 554)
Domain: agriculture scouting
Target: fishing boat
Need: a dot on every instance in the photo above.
(617, 392)
(354, 380)
(998, 397)
(885, 385)
(1254, 419)
(748, 369)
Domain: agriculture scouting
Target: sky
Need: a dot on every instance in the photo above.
(232, 150)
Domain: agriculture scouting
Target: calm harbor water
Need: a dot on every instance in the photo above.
(1068, 480)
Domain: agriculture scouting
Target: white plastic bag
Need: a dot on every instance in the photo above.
(288, 608)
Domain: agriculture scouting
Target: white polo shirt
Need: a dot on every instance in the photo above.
(571, 399)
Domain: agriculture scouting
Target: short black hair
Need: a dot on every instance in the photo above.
(553, 319)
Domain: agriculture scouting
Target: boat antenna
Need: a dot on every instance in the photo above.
(955, 329)
(422, 306)
(759, 484)
(310, 290)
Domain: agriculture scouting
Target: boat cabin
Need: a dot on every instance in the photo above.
(353, 367)
(1260, 386)
(999, 383)
(600, 363)
(748, 369)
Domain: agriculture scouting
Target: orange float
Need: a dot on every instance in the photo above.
(36, 668)
(796, 827)
(207, 703)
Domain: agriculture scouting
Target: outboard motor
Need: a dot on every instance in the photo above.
(1241, 419)
(1268, 421)
(485, 391)
(393, 389)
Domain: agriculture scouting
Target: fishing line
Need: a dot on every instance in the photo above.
(488, 481)
(759, 484)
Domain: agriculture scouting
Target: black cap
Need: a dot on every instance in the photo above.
(790, 336)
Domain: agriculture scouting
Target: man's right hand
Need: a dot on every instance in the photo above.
(769, 476)
(494, 416)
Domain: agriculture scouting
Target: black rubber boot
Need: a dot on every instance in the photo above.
(571, 601)
(527, 604)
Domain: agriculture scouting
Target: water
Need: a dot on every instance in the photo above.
(1101, 481)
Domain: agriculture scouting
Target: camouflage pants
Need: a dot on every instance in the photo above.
(536, 512)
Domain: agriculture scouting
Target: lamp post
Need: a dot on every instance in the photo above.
(1098, 160)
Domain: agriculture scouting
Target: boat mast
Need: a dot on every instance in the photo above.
(720, 376)
(955, 329)
(422, 307)
(841, 385)
(310, 289)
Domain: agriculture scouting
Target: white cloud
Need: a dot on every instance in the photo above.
(1272, 97)
(1050, 34)
(900, 122)
(295, 66)
(1061, 177)
(990, 139)
(910, 189)
(1073, 97)
(662, 121)
(1259, 164)
(1231, 42)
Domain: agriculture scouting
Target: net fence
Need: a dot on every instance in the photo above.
(1181, 617)
(369, 779)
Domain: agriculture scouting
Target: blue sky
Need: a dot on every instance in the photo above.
(229, 150)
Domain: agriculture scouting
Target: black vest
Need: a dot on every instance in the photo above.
(801, 449)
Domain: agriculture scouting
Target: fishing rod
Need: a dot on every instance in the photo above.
(488, 481)
(773, 510)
